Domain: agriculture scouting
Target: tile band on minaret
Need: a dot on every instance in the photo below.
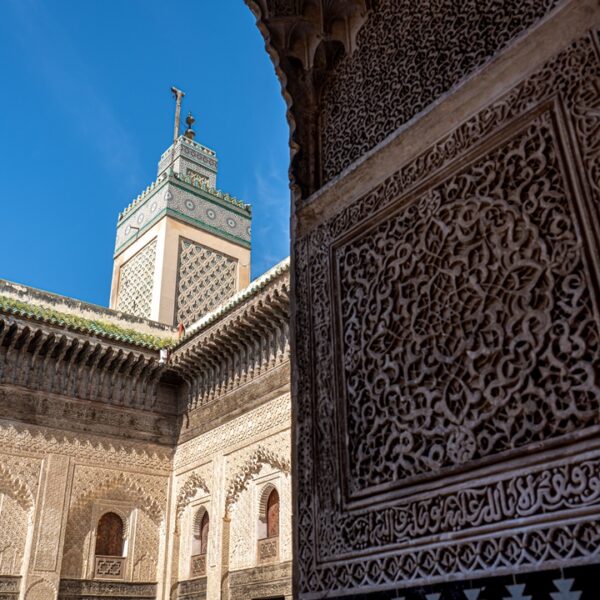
(182, 246)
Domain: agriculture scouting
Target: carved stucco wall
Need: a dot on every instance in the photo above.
(252, 448)
(142, 492)
(13, 533)
(245, 512)
(205, 279)
(18, 489)
(67, 477)
(76, 472)
(407, 55)
(136, 282)
(447, 316)
(92, 474)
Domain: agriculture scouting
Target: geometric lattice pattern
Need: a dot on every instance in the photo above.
(137, 281)
(205, 279)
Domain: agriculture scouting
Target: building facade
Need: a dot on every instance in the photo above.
(145, 449)
(445, 327)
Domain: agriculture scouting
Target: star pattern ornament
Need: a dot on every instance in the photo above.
(516, 592)
(564, 590)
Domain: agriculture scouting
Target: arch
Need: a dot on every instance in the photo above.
(262, 503)
(79, 525)
(42, 589)
(267, 528)
(130, 490)
(16, 488)
(273, 514)
(110, 535)
(189, 490)
(200, 531)
(260, 457)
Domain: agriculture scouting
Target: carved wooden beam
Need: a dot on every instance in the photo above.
(38, 357)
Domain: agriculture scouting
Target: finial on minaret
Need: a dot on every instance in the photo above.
(189, 132)
(178, 95)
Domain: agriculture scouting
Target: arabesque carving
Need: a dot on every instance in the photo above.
(102, 451)
(254, 425)
(252, 466)
(145, 492)
(354, 72)
(472, 273)
(429, 50)
(474, 344)
(16, 488)
(16, 521)
(188, 491)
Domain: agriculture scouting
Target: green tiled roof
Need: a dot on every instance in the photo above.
(105, 329)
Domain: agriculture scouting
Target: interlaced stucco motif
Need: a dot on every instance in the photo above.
(482, 224)
(101, 451)
(206, 279)
(477, 335)
(242, 533)
(408, 54)
(188, 490)
(252, 466)
(136, 281)
(253, 426)
(14, 520)
(19, 477)
(145, 492)
(146, 548)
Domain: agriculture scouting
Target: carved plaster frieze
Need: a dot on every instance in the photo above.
(86, 417)
(248, 428)
(192, 589)
(9, 586)
(103, 451)
(262, 582)
(75, 588)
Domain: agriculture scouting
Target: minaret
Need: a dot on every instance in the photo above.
(183, 247)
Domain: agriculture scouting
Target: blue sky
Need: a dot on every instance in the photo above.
(85, 113)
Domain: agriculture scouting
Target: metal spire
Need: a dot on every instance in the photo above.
(178, 95)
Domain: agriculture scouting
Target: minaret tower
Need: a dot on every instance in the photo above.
(183, 247)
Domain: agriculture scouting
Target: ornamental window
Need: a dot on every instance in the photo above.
(110, 541)
(268, 527)
(199, 543)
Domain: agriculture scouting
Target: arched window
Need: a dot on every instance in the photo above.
(268, 526)
(200, 537)
(109, 535)
(199, 543)
(273, 514)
